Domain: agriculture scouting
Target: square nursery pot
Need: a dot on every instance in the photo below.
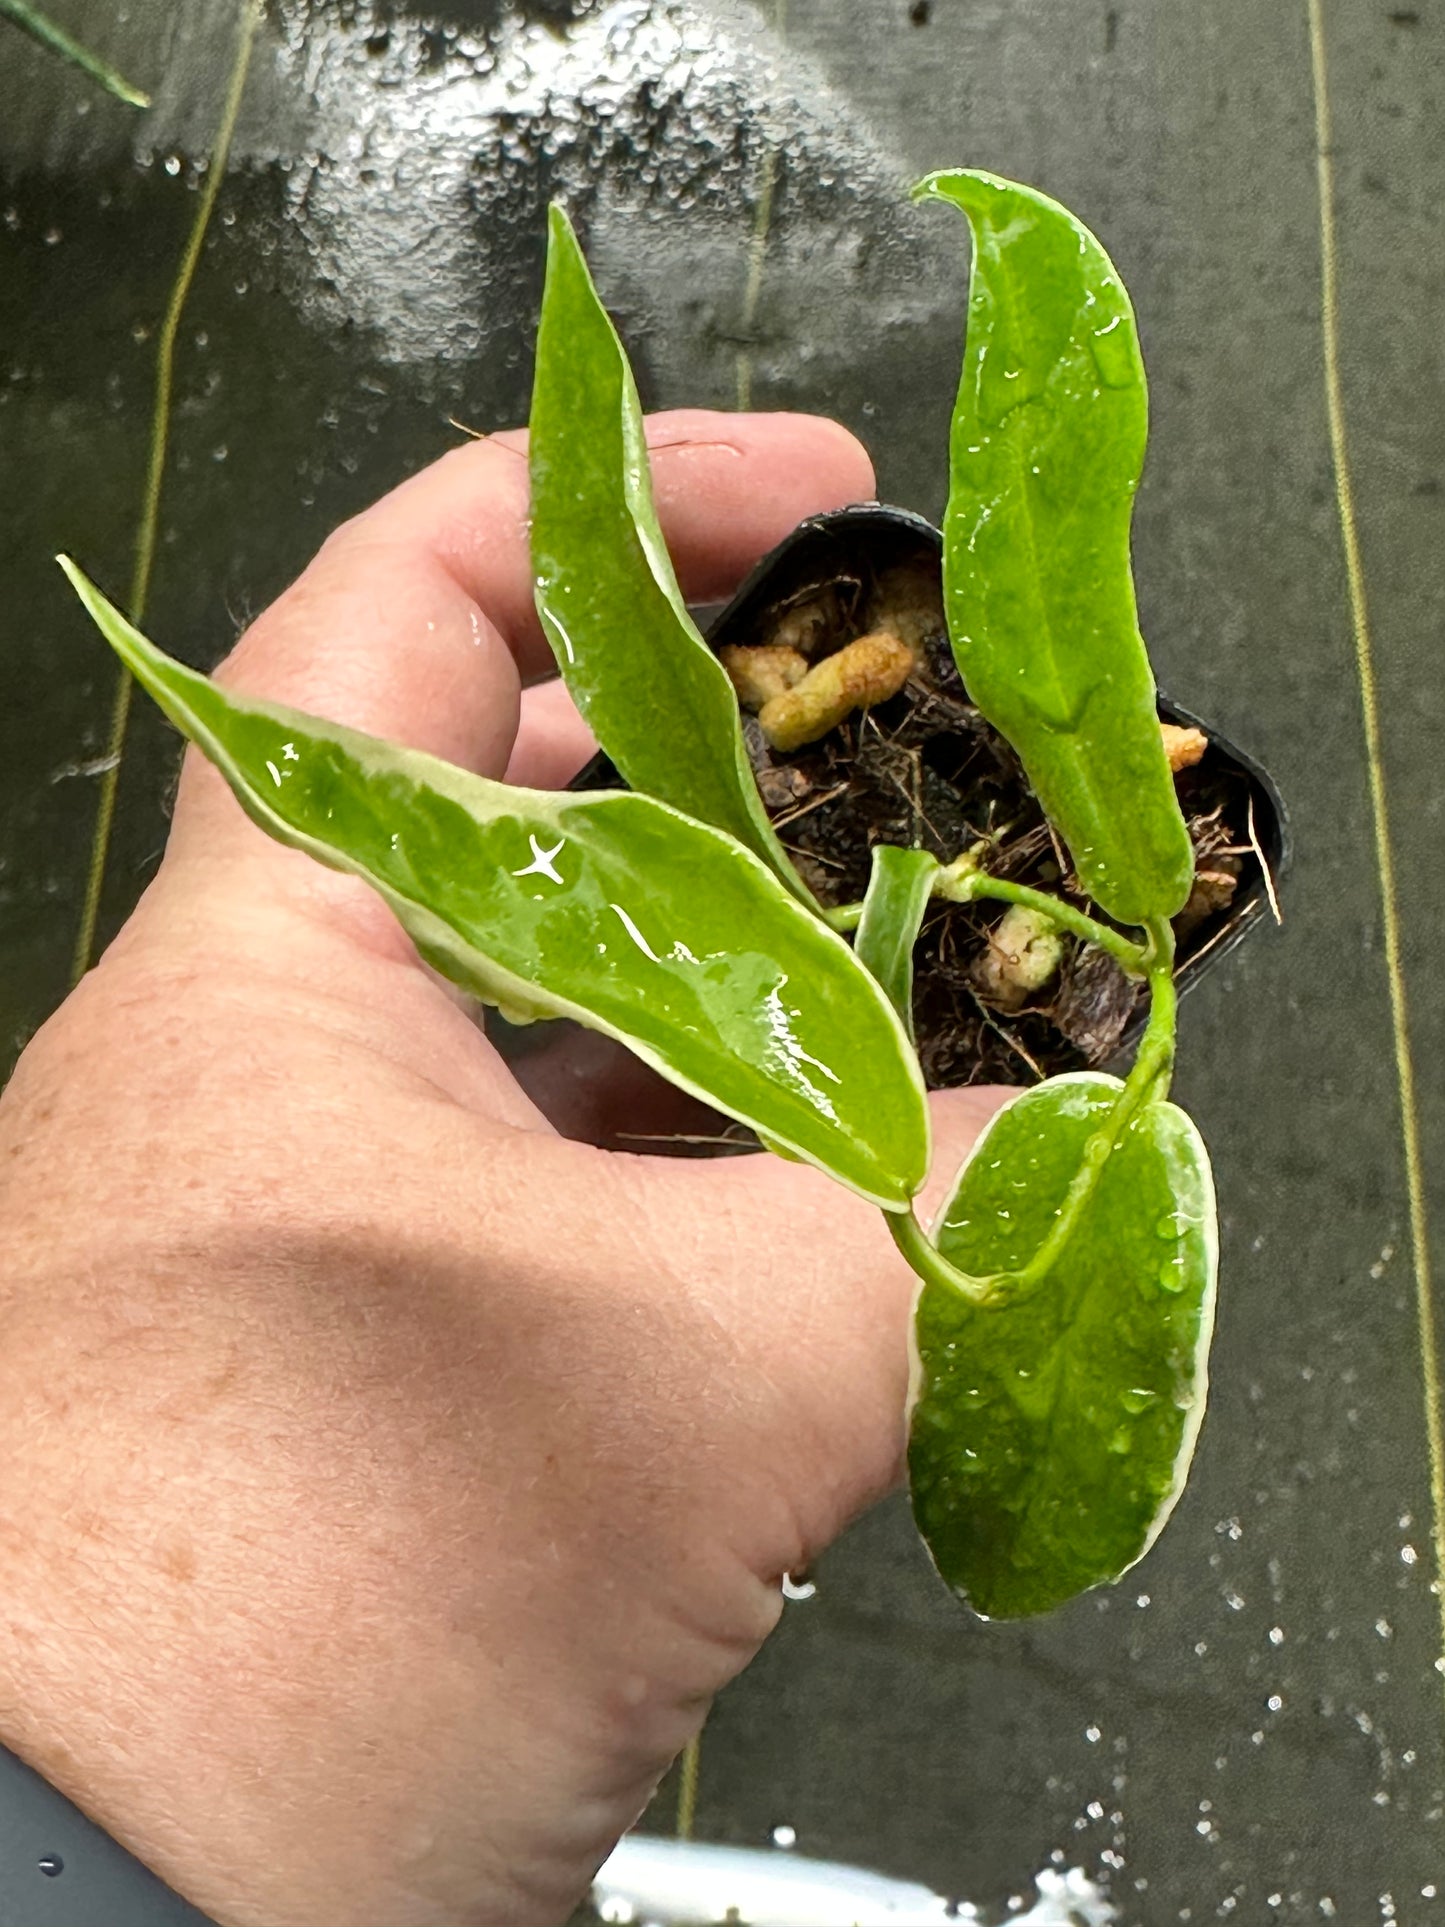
(923, 768)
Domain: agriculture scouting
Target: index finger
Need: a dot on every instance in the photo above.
(415, 621)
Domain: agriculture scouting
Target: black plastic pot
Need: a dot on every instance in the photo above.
(593, 1088)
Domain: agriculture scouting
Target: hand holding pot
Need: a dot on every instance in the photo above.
(391, 1481)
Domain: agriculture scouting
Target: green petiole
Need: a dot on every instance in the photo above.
(962, 882)
(846, 917)
(1147, 1083)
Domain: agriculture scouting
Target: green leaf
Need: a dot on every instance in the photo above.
(610, 908)
(1051, 1436)
(654, 695)
(1045, 455)
(899, 886)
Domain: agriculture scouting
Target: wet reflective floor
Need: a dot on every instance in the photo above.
(1253, 1726)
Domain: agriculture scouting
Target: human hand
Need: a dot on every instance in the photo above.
(392, 1480)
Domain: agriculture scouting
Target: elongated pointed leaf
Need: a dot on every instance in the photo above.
(1050, 1438)
(610, 908)
(898, 890)
(1045, 455)
(656, 698)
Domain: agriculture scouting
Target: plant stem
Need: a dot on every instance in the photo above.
(1147, 1083)
(59, 41)
(933, 1268)
(1154, 1064)
(962, 882)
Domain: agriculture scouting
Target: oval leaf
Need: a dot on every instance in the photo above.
(1051, 1437)
(609, 908)
(1045, 454)
(654, 695)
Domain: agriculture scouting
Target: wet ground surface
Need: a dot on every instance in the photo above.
(1253, 1726)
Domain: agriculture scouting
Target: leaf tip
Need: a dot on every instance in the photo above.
(969, 189)
(74, 575)
(122, 636)
(560, 230)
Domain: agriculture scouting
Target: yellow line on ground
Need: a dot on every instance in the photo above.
(145, 542)
(687, 1773)
(1384, 848)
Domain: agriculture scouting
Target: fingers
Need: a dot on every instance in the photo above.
(553, 742)
(415, 621)
(726, 488)
(741, 1323)
(395, 627)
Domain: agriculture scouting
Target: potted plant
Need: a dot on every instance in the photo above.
(1067, 1288)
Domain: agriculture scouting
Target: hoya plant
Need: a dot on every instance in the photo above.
(1066, 1287)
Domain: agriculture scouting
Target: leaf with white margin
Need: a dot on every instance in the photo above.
(654, 695)
(1050, 1437)
(610, 908)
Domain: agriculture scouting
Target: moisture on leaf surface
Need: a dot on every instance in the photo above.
(1051, 1436)
(1045, 454)
(609, 908)
(654, 695)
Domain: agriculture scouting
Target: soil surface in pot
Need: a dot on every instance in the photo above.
(925, 770)
(921, 769)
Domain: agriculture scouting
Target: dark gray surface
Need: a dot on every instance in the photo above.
(375, 267)
(57, 1869)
